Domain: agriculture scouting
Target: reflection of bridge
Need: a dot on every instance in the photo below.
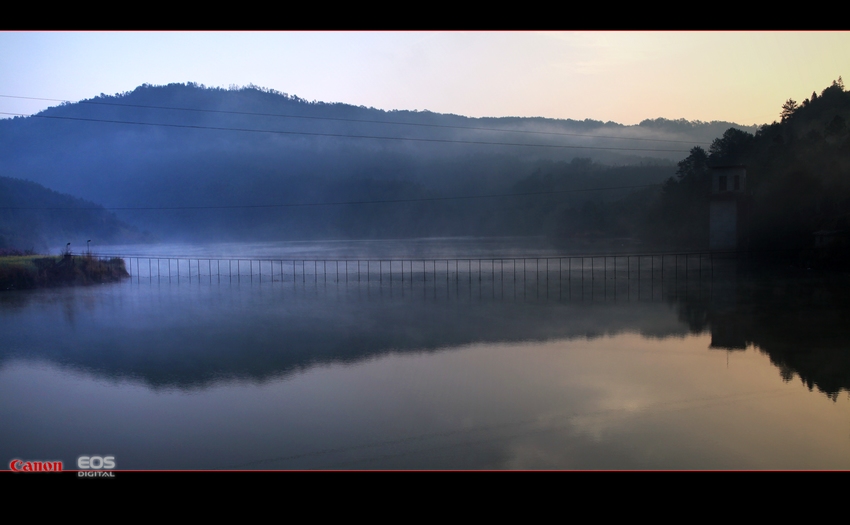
(497, 276)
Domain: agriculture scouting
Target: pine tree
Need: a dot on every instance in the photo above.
(788, 109)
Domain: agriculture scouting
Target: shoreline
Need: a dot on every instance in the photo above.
(26, 272)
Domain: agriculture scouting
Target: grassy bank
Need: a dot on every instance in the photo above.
(36, 271)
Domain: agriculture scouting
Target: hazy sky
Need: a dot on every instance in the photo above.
(626, 77)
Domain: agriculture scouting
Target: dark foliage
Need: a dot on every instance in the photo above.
(798, 173)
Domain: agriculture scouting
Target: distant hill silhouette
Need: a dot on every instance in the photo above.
(34, 217)
(315, 155)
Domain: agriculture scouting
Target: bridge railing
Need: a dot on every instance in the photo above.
(641, 276)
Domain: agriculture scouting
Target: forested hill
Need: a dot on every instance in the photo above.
(34, 217)
(798, 177)
(201, 161)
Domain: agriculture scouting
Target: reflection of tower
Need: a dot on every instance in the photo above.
(727, 208)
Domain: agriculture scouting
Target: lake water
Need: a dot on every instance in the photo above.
(452, 368)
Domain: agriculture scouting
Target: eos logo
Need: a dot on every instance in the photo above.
(95, 462)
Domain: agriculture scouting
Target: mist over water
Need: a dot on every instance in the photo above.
(452, 367)
(429, 248)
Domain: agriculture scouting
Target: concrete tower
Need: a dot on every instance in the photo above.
(728, 207)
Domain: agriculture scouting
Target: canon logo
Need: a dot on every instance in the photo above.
(95, 462)
(18, 465)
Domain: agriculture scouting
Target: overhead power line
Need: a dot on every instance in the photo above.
(367, 121)
(343, 135)
(337, 203)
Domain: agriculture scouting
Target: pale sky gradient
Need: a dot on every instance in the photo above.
(625, 77)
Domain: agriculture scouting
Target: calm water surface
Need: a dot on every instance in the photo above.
(742, 369)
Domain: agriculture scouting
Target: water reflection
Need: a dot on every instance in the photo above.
(191, 336)
(796, 317)
(648, 373)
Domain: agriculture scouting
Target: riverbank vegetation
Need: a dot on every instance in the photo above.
(23, 271)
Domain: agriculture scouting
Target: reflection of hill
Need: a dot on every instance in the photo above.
(798, 319)
(189, 337)
(193, 336)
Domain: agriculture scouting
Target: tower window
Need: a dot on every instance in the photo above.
(722, 182)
